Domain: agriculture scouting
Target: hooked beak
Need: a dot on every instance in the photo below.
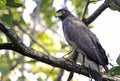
(57, 15)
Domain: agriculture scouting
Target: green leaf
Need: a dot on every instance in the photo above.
(6, 18)
(118, 60)
(114, 6)
(2, 3)
(13, 3)
(115, 71)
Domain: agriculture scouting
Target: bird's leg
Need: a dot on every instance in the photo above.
(70, 52)
(83, 62)
(73, 56)
(87, 65)
(67, 54)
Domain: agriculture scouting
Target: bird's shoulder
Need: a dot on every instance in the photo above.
(74, 22)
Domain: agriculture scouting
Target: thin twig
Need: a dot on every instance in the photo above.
(96, 13)
(50, 73)
(34, 40)
(85, 10)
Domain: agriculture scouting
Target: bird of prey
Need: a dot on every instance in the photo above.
(80, 38)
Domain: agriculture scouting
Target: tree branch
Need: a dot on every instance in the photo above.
(85, 10)
(96, 13)
(106, 4)
(19, 47)
(117, 2)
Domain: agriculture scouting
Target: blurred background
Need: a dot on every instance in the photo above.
(35, 23)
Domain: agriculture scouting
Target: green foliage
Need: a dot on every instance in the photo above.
(14, 3)
(47, 11)
(8, 19)
(114, 5)
(11, 13)
(47, 40)
(2, 3)
(79, 6)
(118, 60)
(5, 66)
(116, 70)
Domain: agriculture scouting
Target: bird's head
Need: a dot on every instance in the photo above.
(62, 14)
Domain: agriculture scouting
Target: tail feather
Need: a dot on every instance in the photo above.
(96, 75)
(94, 70)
